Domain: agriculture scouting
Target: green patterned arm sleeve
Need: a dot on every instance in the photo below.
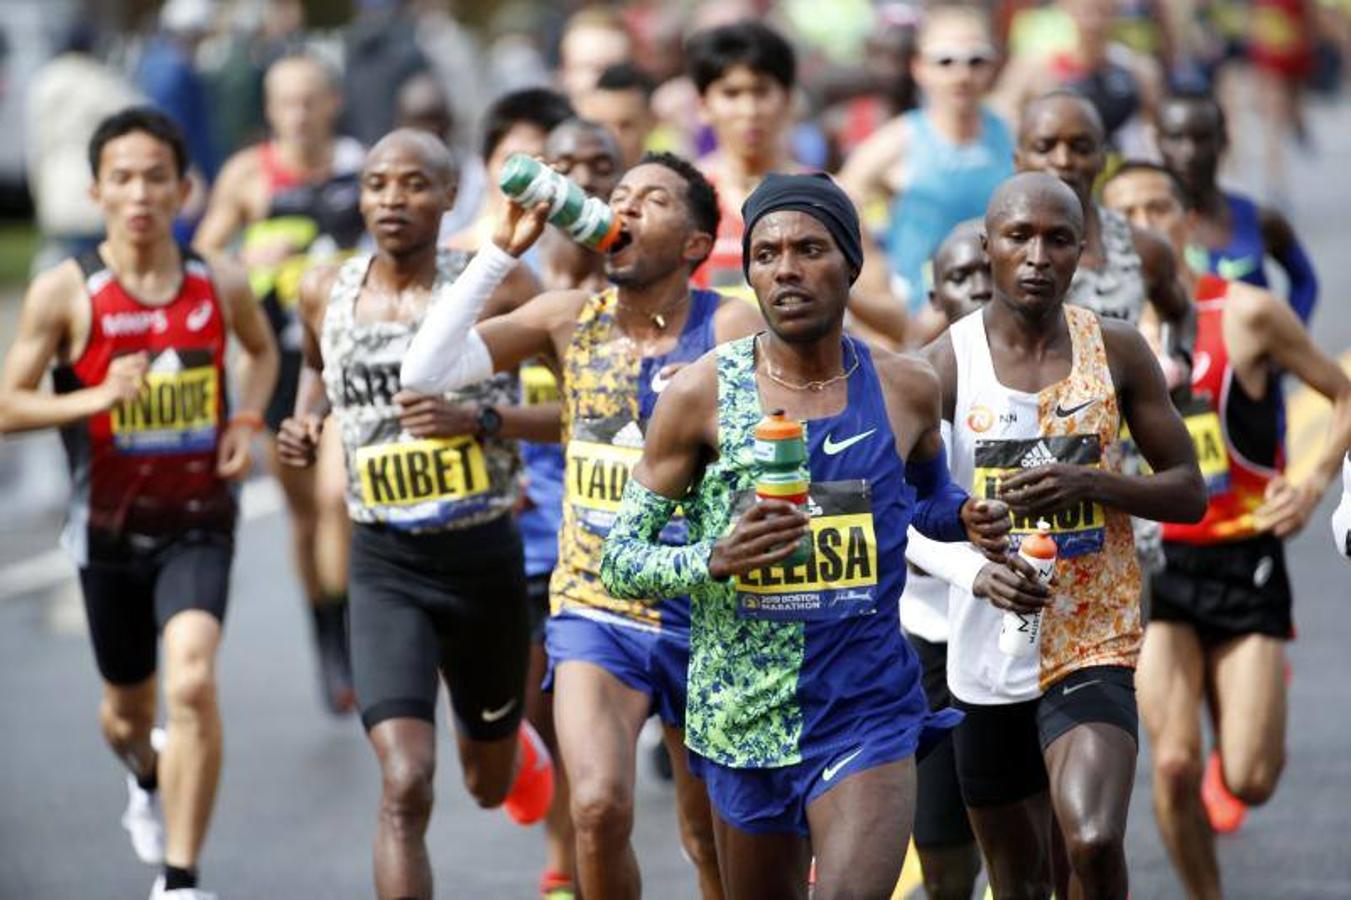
(636, 565)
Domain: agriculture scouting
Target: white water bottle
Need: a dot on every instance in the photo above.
(1020, 633)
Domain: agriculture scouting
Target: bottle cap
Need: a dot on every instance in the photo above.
(1040, 545)
(778, 427)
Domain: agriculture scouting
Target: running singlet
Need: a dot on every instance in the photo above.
(541, 522)
(794, 660)
(318, 219)
(608, 395)
(947, 184)
(722, 270)
(1243, 258)
(1094, 619)
(1237, 439)
(407, 483)
(1117, 290)
(148, 466)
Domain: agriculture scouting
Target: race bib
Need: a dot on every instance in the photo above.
(1079, 530)
(840, 578)
(538, 385)
(176, 412)
(433, 471)
(1203, 424)
(600, 457)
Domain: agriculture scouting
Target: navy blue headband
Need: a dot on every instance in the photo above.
(818, 196)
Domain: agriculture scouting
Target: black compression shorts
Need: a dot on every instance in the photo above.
(133, 590)
(537, 593)
(1001, 749)
(452, 602)
(1225, 590)
(940, 817)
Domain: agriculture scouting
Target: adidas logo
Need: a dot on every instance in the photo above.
(813, 509)
(1040, 455)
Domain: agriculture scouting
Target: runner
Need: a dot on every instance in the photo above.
(437, 569)
(1221, 610)
(137, 330)
(586, 153)
(948, 855)
(1036, 392)
(745, 73)
(1233, 235)
(938, 165)
(294, 199)
(806, 704)
(614, 662)
(622, 102)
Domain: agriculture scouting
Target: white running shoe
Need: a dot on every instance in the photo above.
(144, 821)
(157, 892)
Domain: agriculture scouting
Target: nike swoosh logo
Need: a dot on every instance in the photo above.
(832, 448)
(1070, 690)
(658, 383)
(833, 769)
(492, 715)
(1064, 413)
(1231, 269)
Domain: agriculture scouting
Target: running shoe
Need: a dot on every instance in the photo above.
(556, 886)
(1225, 811)
(157, 892)
(144, 822)
(533, 790)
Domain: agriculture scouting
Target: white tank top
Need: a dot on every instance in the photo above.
(1094, 618)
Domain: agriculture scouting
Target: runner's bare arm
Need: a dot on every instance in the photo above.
(1280, 337)
(1283, 244)
(939, 354)
(1166, 293)
(44, 328)
(871, 302)
(865, 175)
(315, 289)
(256, 368)
(1174, 493)
(227, 212)
(736, 319)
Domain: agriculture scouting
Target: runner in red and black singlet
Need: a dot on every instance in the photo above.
(137, 331)
(1221, 607)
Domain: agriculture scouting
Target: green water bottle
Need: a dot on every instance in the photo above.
(587, 220)
(781, 455)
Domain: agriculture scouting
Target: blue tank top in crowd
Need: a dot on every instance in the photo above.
(948, 183)
(1244, 257)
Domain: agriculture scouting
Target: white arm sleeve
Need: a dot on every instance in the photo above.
(956, 563)
(447, 353)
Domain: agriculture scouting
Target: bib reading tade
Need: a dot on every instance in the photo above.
(538, 385)
(438, 471)
(176, 412)
(600, 457)
(840, 579)
(1078, 530)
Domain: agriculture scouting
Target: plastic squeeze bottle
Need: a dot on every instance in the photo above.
(1019, 633)
(587, 220)
(781, 454)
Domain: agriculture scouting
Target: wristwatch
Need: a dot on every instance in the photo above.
(489, 421)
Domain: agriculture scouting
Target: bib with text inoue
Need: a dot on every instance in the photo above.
(838, 581)
(423, 482)
(176, 412)
(1078, 530)
(600, 457)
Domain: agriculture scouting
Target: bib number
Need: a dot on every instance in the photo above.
(176, 412)
(436, 470)
(1078, 530)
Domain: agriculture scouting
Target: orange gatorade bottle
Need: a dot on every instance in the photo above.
(781, 456)
(1020, 631)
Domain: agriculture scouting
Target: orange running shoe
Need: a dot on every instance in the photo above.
(556, 886)
(1225, 811)
(533, 790)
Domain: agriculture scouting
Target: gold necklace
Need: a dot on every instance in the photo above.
(809, 385)
(657, 318)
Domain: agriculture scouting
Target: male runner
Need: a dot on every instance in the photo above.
(622, 102)
(745, 74)
(938, 165)
(138, 331)
(1221, 609)
(614, 661)
(806, 704)
(294, 199)
(1036, 392)
(1232, 235)
(437, 584)
(589, 155)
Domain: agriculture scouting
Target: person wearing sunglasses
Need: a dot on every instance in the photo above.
(938, 165)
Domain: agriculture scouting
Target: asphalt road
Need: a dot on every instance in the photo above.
(296, 810)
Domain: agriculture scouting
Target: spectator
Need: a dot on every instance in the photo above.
(593, 40)
(621, 101)
(381, 50)
(169, 77)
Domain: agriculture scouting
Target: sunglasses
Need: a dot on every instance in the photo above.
(975, 59)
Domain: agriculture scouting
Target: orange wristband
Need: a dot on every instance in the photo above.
(251, 419)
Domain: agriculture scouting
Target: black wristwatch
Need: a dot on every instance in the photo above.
(489, 421)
